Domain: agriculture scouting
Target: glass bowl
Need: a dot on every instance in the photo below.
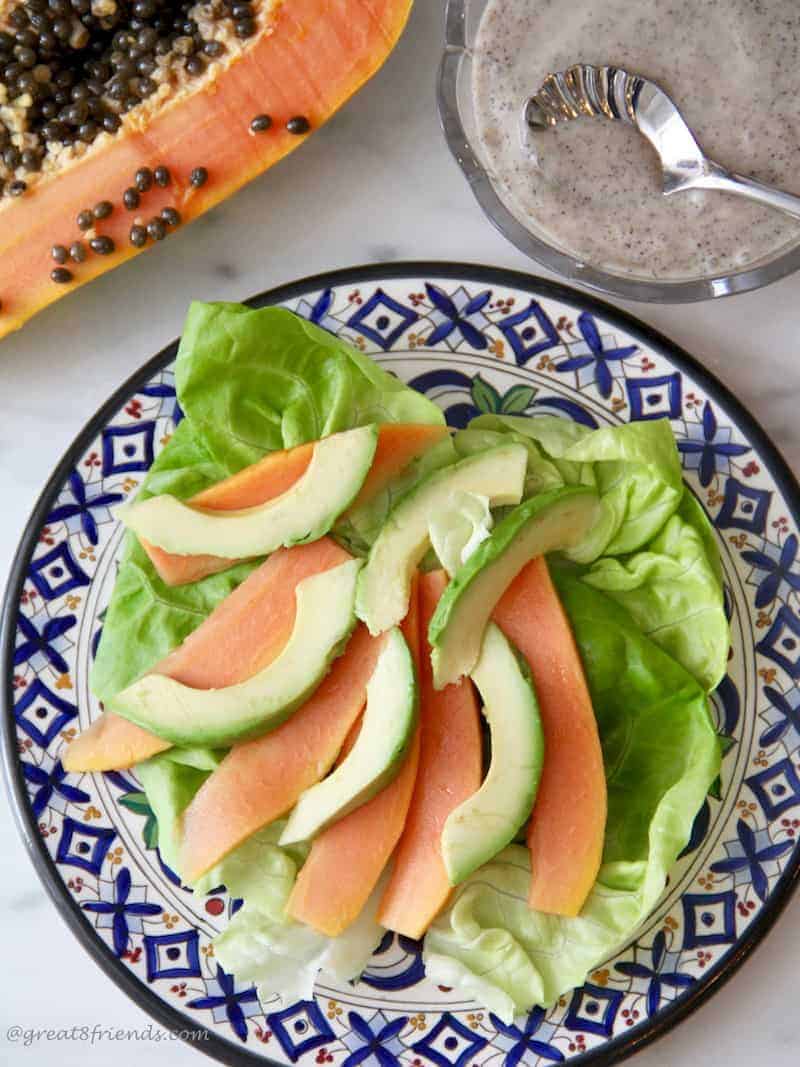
(458, 122)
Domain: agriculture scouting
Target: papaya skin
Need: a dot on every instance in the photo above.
(314, 55)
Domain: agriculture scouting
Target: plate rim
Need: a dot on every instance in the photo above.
(208, 1042)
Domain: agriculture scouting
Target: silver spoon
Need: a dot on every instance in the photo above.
(611, 93)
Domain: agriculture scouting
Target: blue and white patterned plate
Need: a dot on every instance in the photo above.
(473, 340)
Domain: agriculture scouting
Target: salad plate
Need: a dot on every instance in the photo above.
(475, 341)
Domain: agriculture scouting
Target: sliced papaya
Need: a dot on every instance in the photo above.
(450, 768)
(209, 123)
(111, 743)
(260, 780)
(256, 484)
(224, 716)
(567, 828)
(347, 859)
(398, 445)
(243, 634)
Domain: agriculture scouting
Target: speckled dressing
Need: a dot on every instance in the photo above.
(593, 187)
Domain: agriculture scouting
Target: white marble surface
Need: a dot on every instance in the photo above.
(376, 184)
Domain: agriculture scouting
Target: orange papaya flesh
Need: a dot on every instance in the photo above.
(310, 58)
(398, 444)
(567, 828)
(240, 637)
(450, 770)
(111, 743)
(261, 481)
(347, 859)
(261, 780)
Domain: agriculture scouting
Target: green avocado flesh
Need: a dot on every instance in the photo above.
(385, 583)
(485, 823)
(217, 717)
(305, 512)
(377, 755)
(549, 522)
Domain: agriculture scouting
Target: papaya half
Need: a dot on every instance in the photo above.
(123, 119)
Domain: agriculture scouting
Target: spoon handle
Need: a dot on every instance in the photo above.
(726, 181)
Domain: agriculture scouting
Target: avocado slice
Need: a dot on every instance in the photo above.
(551, 521)
(385, 583)
(305, 512)
(217, 717)
(376, 756)
(489, 820)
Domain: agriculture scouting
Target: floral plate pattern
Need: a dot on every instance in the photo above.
(474, 340)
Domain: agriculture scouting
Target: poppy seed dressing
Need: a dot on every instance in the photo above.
(593, 187)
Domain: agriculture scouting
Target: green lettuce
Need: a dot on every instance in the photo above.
(691, 511)
(283, 956)
(672, 586)
(255, 381)
(635, 469)
(541, 473)
(661, 755)
(672, 591)
(248, 382)
(169, 786)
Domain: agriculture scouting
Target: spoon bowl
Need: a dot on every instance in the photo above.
(584, 91)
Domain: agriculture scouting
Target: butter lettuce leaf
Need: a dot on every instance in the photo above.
(635, 469)
(661, 755)
(256, 380)
(169, 786)
(638, 475)
(658, 555)
(691, 511)
(248, 382)
(672, 591)
(541, 473)
(285, 957)
(458, 529)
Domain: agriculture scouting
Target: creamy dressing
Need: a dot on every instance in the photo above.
(593, 187)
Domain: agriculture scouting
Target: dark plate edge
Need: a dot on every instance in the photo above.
(221, 1049)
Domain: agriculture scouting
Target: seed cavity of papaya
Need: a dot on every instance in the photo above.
(74, 72)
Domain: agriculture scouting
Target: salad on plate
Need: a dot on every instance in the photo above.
(374, 674)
